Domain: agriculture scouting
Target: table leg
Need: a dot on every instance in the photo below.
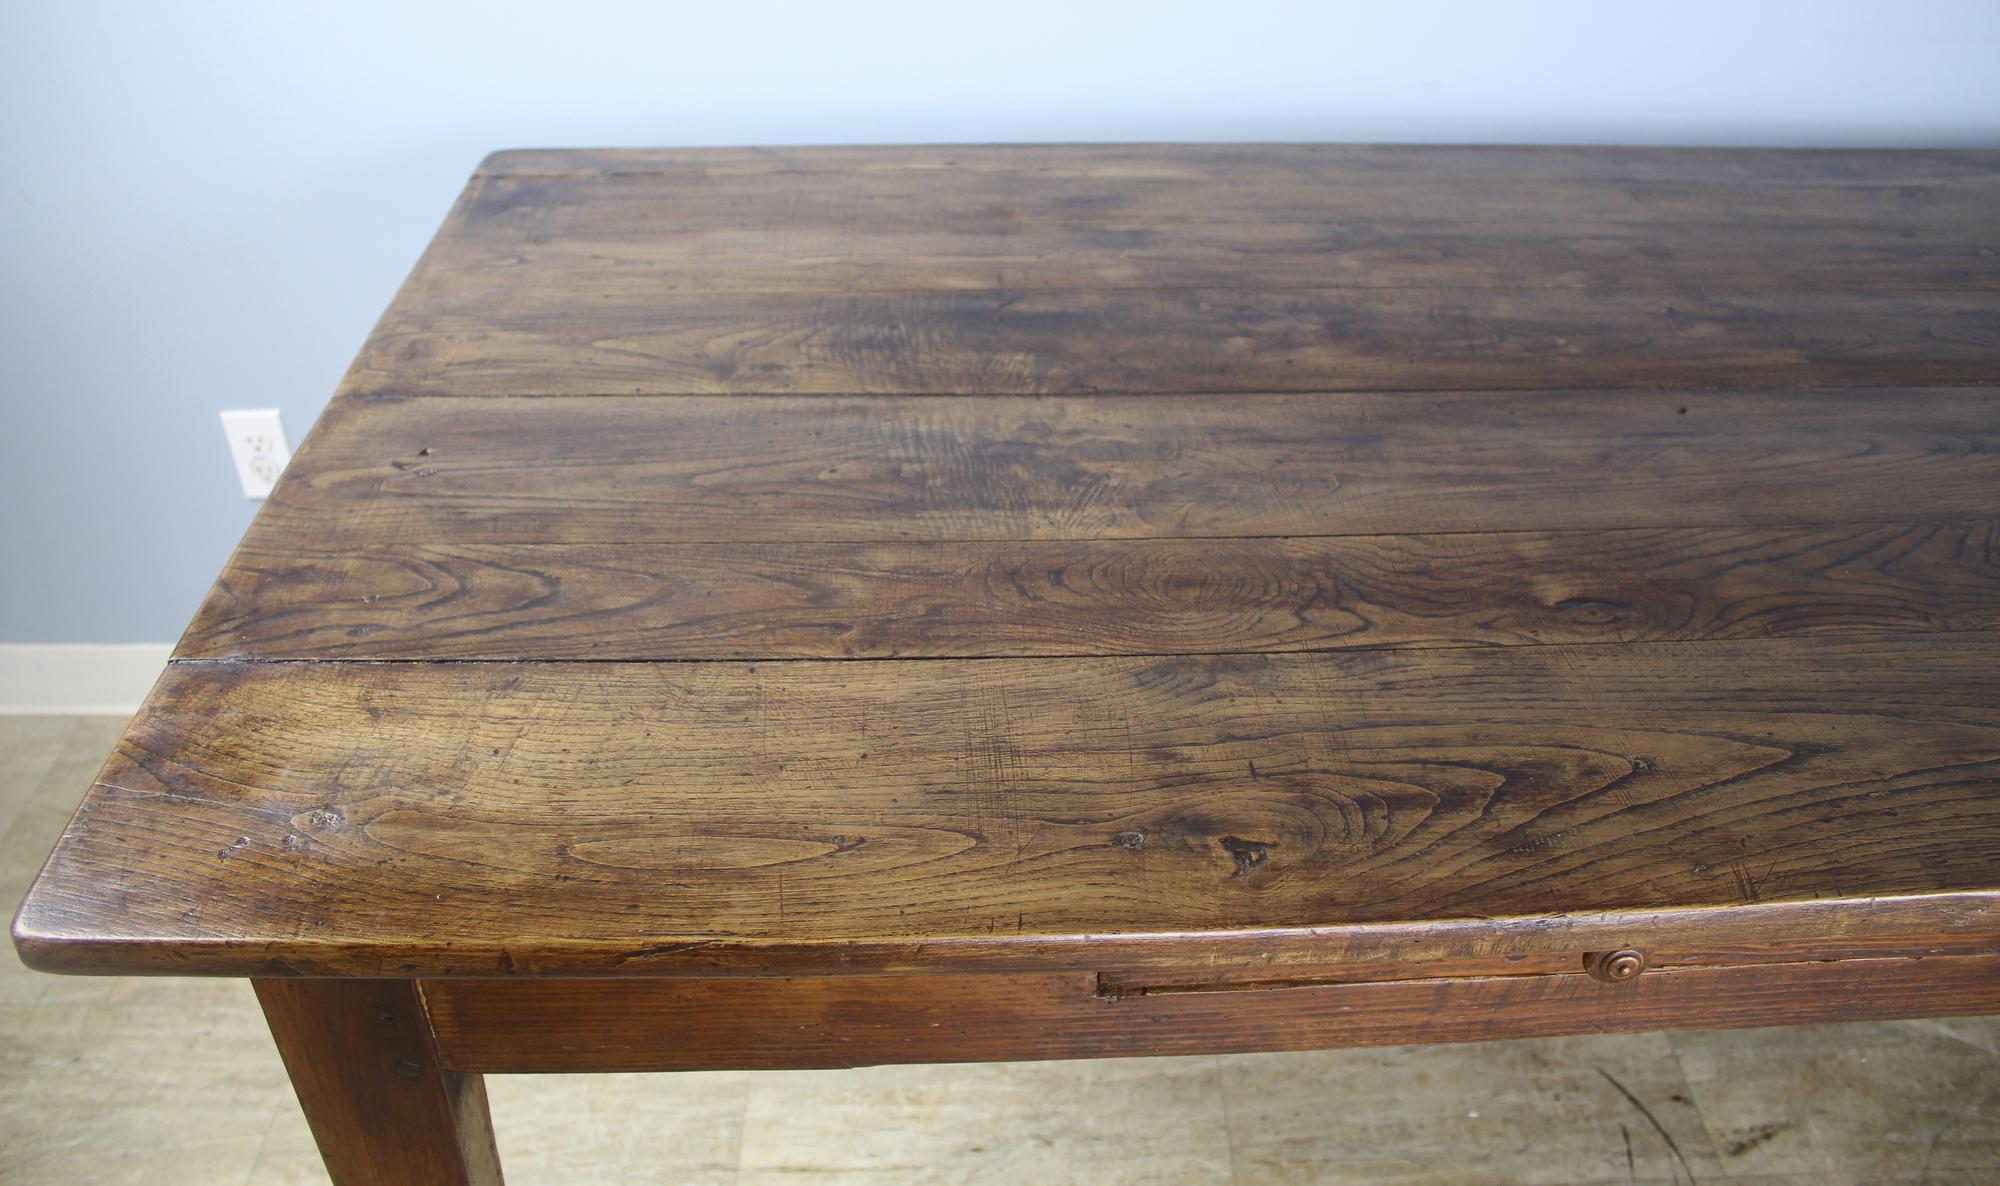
(364, 1063)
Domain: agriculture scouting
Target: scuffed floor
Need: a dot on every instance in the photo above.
(174, 1081)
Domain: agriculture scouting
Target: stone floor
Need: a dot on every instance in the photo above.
(175, 1081)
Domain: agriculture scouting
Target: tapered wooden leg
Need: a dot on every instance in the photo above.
(364, 1064)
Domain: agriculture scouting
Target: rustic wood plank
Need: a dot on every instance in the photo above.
(383, 1107)
(741, 255)
(656, 818)
(1085, 597)
(532, 241)
(1430, 164)
(1787, 750)
(1163, 185)
(503, 1026)
(1175, 341)
(1181, 269)
(716, 469)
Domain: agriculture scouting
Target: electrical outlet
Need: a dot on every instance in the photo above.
(257, 445)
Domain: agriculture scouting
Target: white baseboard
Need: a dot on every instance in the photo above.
(84, 679)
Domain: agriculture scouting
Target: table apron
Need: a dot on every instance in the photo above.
(529, 1026)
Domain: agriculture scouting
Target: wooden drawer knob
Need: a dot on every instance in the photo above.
(1615, 967)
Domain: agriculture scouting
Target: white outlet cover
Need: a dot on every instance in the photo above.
(258, 447)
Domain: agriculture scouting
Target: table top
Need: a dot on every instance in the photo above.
(1187, 558)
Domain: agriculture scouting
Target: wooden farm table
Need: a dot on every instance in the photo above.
(820, 607)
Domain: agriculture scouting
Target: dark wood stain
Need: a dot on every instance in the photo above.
(801, 471)
(808, 607)
(846, 1021)
(1139, 596)
(1259, 268)
(384, 1107)
(568, 815)
(1161, 341)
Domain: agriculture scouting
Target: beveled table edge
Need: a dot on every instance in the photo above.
(1828, 928)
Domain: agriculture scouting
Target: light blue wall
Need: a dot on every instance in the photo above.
(207, 204)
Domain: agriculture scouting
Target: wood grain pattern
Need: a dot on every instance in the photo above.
(1047, 602)
(578, 819)
(1143, 596)
(1108, 205)
(628, 243)
(940, 230)
(723, 470)
(382, 1105)
(1171, 269)
(598, 1025)
(1221, 340)
(1906, 175)
(1542, 550)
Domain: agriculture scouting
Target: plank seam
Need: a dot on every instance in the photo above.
(1872, 383)
(1928, 635)
(904, 541)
